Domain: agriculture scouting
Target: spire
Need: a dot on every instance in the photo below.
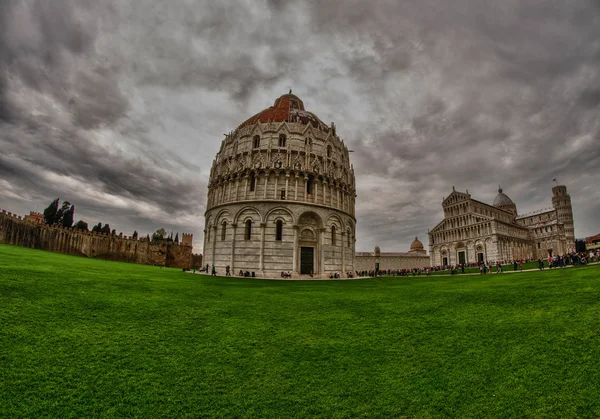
(499, 189)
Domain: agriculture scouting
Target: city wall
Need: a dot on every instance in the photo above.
(19, 232)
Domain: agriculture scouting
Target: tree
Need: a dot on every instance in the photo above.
(135, 235)
(60, 214)
(158, 235)
(50, 212)
(105, 229)
(113, 232)
(97, 228)
(177, 238)
(81, 225)
(67, 219)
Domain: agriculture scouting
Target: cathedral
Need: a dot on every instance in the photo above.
(473, 231)
(281, 197)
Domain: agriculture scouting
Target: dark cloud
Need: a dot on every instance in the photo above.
(131, 100)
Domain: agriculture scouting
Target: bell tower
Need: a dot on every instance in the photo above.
(561, 201)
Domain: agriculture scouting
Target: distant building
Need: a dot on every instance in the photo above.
(473, 231)
(593, 242)
(416, 257)
(35, 218)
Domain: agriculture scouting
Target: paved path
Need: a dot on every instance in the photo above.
(308, 278)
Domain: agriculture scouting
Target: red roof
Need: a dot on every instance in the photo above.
(287, 108)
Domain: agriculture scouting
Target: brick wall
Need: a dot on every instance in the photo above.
(19, 232)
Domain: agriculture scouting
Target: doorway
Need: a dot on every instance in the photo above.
(462, 258)
(307, 260)
(479, 257)
(445, 261)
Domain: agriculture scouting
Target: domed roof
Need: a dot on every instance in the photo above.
(416, 245)
(287, 108)
(502, 199)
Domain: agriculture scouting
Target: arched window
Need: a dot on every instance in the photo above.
(283, 194)
(252, 182)
(279, 230)
(329, 151)
(248, 232)
(309, 185)
(223, 230)
(282, 140)
(208, 234)
(333, 235)
(256, 141)
(349, 239)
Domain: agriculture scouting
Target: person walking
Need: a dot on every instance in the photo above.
(214, 271)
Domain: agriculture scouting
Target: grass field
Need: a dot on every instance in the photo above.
(90, 338)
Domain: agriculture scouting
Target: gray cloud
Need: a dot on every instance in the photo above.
(131, 100)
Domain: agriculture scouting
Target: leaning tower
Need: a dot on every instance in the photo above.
(561, 201)
(281, 197)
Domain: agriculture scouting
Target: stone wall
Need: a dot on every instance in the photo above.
(364, 261)
(19, 232)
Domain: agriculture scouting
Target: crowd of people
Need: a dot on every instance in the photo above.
(574, 259)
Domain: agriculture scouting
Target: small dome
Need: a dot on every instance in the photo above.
(377, 251)
(416, 246)
(502, 199)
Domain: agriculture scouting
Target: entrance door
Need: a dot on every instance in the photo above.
(479, 257)
(307, 256)
(461, 258)
(445, 261)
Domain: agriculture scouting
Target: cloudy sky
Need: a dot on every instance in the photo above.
(119, 106)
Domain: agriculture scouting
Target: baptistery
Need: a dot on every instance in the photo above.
(281, 197)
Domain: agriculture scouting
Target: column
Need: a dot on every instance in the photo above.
(262, 246)
(305, 191)
(287, 182)
(316, 191)
(295, 255)
(232, 256)
(245, 186)
(276, 191)
(343, 252)
(296, 190)
(321, 241)
(266, 180)
(214, 244)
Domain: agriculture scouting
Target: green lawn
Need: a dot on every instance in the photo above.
(91, 338)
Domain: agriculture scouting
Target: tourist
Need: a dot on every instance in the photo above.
(214, 271)
(521, 265)
(227, 273)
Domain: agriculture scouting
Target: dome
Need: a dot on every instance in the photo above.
(417, 246)
(502, 199)
(287, 108)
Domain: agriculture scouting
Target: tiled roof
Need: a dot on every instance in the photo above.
(287, 108)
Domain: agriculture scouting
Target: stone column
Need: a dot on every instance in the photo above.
(321, 241)
(245, 186)
(316, 191)
(262, 247)
(296, 189)
(343, 233)
(295, 255)
(266, 180)
(276, 191)
(287, 182)
(232, 256)
(214, 244)
(305, 194)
